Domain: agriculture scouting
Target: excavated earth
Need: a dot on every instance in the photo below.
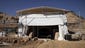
(47, 44)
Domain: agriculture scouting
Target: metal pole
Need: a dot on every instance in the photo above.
(79, 22)
(33, 31)
(37, 31)
(3, 24)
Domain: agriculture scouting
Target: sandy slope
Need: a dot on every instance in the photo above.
(63, 44)
(50, 44)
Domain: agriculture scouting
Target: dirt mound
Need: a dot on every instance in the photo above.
(63, 44)
(29, 44)
(48, 44)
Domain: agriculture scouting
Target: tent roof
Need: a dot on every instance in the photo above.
(41, 9)
(41, 20)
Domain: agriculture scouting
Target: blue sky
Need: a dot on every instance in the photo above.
(11, 6)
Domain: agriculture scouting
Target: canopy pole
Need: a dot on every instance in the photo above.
(61, 34)
(37, 30)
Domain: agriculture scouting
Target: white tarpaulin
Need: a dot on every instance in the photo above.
(41, 20)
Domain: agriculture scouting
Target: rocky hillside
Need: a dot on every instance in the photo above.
(7, 22)
(75, 23)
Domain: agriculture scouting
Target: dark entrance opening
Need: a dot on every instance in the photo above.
(45, 33)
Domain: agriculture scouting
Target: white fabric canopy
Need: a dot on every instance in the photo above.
(41, 20)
